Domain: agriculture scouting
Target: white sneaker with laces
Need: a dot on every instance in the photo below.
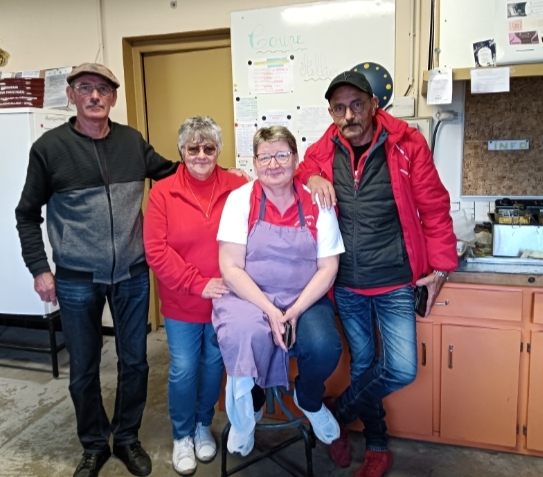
(183, 460)
(323, 421)
(204, 443)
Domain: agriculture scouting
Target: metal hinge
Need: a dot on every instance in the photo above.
(525, 430)
(521, 349)
(528, 347)
(517, 428)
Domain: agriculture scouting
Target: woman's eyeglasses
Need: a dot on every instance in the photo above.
(281, 157)
(209, 150)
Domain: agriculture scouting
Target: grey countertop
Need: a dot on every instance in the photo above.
(499, 271)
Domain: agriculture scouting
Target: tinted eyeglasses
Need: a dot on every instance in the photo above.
(281, 157)
(194, 149)
(339, 110)
(87, 89)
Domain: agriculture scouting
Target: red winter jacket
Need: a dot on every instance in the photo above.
(422, 200)
(181, 244)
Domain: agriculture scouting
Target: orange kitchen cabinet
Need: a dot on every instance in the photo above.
(538, 308)
(479, 384)
(409, 410)
(534, 428)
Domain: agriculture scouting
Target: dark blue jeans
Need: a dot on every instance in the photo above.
(81, 307)
(375, 375)
(317, 349)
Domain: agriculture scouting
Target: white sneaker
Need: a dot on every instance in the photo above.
(204, 444)
(183, 460)
(324, 423)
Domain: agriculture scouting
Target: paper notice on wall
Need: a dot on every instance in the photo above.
(244, 138)
(275, 118)
(55, 88)
(304, 144)
(246, 165)
(490, 80)
(313, 118)
(271, 75)
(440, 86)
(246, 109)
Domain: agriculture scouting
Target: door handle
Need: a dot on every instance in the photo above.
(442, 303)
(451, 347)
(423, 361)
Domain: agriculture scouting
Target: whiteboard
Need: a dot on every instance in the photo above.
(284, 58)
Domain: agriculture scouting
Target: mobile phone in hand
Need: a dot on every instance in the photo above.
(287, 336)
(421, 300)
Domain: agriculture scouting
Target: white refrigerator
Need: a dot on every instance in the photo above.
(19, 128)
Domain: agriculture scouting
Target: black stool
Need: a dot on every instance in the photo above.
(274, 395)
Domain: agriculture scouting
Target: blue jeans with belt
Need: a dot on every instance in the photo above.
(317, 349)
(376, 375)
(195, 379)
(81, 308)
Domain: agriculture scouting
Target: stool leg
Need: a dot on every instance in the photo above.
(224, 450)
(309, 444)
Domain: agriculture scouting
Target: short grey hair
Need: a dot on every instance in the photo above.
(198, 129)
(274, 134)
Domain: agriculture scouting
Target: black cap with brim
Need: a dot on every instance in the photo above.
(349, 78)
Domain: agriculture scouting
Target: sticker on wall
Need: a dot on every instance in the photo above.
(380, 80)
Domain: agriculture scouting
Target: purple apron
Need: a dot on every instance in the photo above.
(281, 261)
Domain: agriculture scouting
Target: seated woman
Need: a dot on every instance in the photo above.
(180, 230)
(278, 254)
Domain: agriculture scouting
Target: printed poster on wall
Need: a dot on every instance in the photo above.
(519, 31)
(271, 75)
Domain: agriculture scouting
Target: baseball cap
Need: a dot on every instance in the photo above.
(350, 78)
(93, 69)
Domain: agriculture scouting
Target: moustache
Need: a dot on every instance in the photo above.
(94, 105)
(351, 123)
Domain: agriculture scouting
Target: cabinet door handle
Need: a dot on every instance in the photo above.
(423, 362)
(442, 303)
(451, 347)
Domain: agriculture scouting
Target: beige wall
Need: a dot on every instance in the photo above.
(46, 34)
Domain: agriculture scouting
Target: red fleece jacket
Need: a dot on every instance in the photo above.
(181, 244)
(422, 200)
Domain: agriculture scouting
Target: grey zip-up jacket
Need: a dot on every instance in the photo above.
(93, 190)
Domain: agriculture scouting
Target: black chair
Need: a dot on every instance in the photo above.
(274, 396)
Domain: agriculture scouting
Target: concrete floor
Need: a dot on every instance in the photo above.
(38, 438)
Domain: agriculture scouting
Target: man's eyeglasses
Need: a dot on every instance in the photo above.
(281, 157)
(209, 150)
(87, 89)
(339, 110)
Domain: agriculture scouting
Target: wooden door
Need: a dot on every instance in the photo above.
(479, 384)
(534, 436)
(409, 410)
(179, 85)
(184, 84)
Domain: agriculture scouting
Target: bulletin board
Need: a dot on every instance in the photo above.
(284, 58)
(510, 116)
(516, 27)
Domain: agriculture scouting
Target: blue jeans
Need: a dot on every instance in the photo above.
(196, 370)
(374, 376)
(81, 307)
(317, 349)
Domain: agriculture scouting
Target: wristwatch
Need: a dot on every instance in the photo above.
(439, 273)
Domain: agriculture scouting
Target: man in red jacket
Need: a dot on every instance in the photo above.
(395, 222)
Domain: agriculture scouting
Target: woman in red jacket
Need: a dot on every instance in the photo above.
(180, 230)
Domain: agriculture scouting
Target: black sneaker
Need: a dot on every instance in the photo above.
(137, 461)
(90, 464)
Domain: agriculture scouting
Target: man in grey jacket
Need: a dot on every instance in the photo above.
(90, 172)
